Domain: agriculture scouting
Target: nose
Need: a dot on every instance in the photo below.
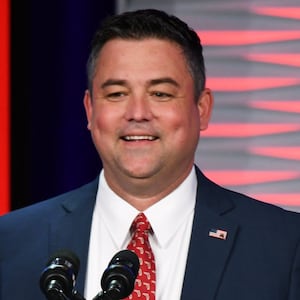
(138, 109)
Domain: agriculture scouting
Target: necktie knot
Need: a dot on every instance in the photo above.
(141, 223)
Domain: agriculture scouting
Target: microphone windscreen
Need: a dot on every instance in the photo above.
(67, 255)
(59, 275)
(129, 258)
(118, 279)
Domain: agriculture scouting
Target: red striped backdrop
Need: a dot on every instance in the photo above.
(4, 106)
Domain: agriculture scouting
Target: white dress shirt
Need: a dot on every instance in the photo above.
(171, 219)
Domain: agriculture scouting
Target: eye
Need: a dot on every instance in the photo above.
(161, 96)
(116, 96)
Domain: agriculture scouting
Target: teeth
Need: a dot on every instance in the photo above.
(139, 137)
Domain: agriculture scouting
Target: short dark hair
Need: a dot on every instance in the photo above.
(151, 23)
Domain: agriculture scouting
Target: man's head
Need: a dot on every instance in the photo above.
(142, 109)
(151, 23)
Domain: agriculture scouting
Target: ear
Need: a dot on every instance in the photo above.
(205, 106)
(88, 105)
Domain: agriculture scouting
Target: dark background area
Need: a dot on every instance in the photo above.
(52, 151)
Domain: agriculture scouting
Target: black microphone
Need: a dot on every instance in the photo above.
(118, 279)
(58, 279)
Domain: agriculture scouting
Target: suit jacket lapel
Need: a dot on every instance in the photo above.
(70, 229)
(208, 256)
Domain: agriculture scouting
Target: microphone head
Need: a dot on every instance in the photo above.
(128, 258)
(119, 277)
(60, 274)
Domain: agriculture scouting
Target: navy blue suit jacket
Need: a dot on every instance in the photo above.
(260, 258)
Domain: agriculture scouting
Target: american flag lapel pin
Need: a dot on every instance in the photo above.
(218, 233)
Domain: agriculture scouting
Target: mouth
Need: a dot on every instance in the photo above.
(137, 138)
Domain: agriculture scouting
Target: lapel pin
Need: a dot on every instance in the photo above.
(218, 233)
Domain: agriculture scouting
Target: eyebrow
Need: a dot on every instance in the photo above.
(164, 80)
(110, 82)
(151, 82)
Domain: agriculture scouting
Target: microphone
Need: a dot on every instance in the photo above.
(118, 279)
(58, 279)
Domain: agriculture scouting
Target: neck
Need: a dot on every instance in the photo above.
(141, 193)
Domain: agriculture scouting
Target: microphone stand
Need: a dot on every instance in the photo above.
(102, 296)
(76, 296)
(62, 296)
(107, 295)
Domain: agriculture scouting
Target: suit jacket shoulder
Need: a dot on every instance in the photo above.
(30, 235)
(241, 248)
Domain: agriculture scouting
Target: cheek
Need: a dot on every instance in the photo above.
(186, 127)
(102, 131)
(103, 119)
(176, 128)
(182, 118)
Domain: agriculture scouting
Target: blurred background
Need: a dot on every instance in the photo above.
(252, 53)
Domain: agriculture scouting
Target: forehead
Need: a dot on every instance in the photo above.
(150, 45)
(141, 55)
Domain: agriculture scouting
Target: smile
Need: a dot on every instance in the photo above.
(130, 138)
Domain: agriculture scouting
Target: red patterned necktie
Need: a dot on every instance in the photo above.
(144, 287)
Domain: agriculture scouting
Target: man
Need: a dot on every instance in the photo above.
(146, 104)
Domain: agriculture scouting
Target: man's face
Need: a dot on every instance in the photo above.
(143, 116)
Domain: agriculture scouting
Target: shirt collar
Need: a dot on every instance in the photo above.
(166, 216)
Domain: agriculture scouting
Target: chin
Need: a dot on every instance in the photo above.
(140, 173)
